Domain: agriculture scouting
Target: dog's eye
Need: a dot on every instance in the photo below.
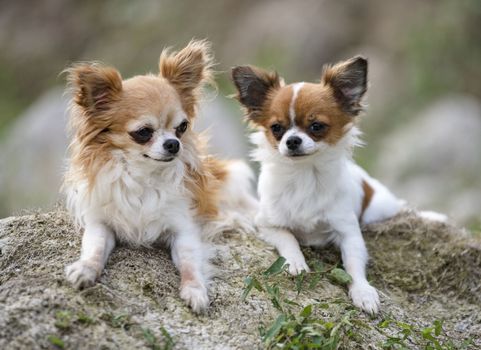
(277, 130)
(142, 135)
(317, 128)
(181, 128)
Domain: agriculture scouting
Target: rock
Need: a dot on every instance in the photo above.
(433, 160)
(425, 271)
(33, 155)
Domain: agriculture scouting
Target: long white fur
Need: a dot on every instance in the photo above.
(317, 200)
(141, 201)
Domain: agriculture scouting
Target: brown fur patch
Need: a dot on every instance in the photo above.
(188, 70)
(95, 89)
(205, 184)
(96, 86)
(276, 111)
(316, 102)
(366, 199)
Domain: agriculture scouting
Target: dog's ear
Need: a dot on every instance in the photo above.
(188, 70)
(94, 87)
(253, 87)
(348, 80)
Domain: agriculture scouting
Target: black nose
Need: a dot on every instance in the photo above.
(171, 146)
(293, 142)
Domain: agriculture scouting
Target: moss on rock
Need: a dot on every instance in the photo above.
(425, 271)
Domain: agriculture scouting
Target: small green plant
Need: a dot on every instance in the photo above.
(339, 276)
(56, 341)
(117, 321)
(84, 319)
(431, 338)
(63, 319)
(169, 341)
(66, 319)
(262, 283)
(297, 327)
(304, 331)
(315, 326)
(152, 341)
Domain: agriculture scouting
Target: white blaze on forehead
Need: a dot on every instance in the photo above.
(295, 91)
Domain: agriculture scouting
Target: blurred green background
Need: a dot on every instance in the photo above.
(422, 127)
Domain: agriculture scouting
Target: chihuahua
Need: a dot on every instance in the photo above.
(311, 191)
(139, 174)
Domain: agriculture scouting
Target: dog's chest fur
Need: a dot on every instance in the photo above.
(140, 208)
(305, 198)
(298, 197)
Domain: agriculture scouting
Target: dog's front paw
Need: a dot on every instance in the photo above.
(365, 297)
(195, 295)
(297, 264)
(81, 274)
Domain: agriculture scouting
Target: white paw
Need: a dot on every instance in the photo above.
(297, 264)
(195, 295)
(365, 296)
(81, 274)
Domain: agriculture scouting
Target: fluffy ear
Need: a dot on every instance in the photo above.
(188, 70)
(349, 82)
(94, 87)
(253, 86)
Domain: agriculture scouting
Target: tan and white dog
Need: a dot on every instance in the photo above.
(138, 173)
(311, 191)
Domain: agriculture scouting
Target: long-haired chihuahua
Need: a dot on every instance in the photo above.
(138, 173)
(311, 191)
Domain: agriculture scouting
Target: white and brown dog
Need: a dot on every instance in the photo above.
(138, 173)
(311, 191)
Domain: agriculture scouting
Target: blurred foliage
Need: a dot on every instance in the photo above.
(436, 44)
(440, 52)
(444, 50)
(11, 100)
(420, 50)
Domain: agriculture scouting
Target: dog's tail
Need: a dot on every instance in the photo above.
(432, 215)
(237, 204)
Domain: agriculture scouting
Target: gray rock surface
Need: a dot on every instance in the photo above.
(434, 159)
(425, 271)
(33, 153)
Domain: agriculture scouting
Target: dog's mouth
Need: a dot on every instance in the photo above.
(298, 154)
(160, 160)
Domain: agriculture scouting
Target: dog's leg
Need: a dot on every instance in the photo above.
(97, 243)
(354, 258)
(287, 246)
(189, 258)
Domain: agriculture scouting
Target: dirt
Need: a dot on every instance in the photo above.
(425, 271)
